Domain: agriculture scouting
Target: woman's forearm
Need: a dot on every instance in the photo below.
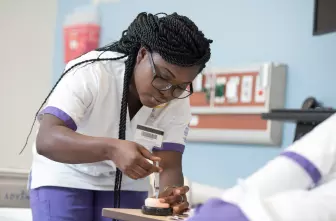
(64, 145)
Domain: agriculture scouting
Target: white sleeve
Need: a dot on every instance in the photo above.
(175, 124)
(316, 151)
(286, 188)
(315, 205)
(73, 95)
(300, 166)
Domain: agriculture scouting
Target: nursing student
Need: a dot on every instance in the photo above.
(299, 184)
(85, 157)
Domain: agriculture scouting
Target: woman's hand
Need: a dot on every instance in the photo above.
(132, 159)
(176, 197)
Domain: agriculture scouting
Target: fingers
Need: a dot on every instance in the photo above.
(180, 208)
(176, 191)
(177, 197)
(137, 172)
(166, 193)
(151, 168)
(142, 168)
(140, 171)
(173, 199)
(181, 190)
(131, 174)
(147, 154)
(143, 162)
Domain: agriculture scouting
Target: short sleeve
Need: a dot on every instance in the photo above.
(315, 152)
(316, 204)
(73, 95)
(288, 188)
(301, 166)
(175, 124)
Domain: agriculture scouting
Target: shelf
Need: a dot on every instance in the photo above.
(299, 115)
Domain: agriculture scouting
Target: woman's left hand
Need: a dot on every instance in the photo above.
(176, 197)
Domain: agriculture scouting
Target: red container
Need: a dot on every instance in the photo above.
(81, 32)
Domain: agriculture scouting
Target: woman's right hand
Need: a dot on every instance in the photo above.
(132, 159)
(61, 144)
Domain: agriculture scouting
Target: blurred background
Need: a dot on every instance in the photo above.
(244, 32)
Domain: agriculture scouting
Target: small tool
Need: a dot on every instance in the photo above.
(156, 211)
(157, 182)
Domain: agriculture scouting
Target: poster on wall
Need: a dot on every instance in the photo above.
(227, 103)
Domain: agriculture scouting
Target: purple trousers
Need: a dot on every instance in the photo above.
(68, 204)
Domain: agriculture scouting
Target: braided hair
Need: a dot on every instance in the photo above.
(174, 37)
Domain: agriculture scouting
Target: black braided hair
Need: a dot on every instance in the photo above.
(174, 37)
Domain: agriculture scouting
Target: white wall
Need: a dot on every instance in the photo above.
(26, 50)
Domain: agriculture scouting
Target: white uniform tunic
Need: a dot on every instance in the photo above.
(88, 100)
(298, 185)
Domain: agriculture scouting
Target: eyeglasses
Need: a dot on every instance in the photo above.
(179, 91)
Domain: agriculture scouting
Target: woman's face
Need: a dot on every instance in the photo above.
(159, 91)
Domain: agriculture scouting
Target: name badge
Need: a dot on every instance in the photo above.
(148, 136)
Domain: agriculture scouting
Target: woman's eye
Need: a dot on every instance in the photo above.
(183, 86)
(164, 77)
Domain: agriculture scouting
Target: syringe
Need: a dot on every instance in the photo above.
(157, 182)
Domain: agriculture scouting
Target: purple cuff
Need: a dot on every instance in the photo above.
(218, 210)
(308, 166)
(170, 147)
(61, 115)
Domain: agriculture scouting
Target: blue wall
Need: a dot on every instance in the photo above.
(245, 32)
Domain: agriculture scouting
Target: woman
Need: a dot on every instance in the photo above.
(85, 157)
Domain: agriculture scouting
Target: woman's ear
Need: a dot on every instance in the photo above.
(141, 55)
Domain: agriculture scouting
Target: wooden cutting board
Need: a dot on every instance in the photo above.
(132, 215)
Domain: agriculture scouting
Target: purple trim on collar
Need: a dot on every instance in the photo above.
(166, 146)
(218, 210)
(61, 115)
(308, 166)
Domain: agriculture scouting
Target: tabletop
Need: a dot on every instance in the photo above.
(134, 215)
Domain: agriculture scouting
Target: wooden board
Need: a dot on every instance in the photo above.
(230, 122)
(132, 215)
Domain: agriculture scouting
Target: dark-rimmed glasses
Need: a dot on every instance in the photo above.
(179, 91)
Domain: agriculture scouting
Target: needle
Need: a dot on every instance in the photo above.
(157, 182)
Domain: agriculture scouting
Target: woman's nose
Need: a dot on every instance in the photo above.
(167, 94)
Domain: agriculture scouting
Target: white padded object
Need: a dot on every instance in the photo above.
(153, 202)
